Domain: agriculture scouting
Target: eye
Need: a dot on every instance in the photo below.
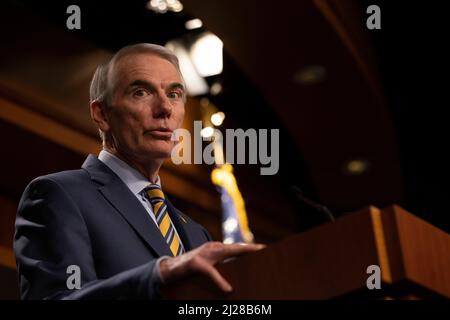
(140, 93)
(174, 95)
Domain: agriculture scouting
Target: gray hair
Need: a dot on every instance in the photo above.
(100, 89)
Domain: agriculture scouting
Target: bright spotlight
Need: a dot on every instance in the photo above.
(217, 118)
(207, 132)
(206, 54)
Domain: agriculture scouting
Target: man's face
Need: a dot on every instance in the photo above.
(147, 106)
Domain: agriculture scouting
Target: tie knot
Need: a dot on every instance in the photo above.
(154, 192)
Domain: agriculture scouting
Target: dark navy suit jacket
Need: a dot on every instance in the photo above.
(89, 218)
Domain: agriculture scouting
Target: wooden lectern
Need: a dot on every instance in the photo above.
(331, 261)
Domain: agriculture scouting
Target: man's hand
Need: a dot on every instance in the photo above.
(202, 260)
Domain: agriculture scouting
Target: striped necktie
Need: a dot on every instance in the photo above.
(156, 197)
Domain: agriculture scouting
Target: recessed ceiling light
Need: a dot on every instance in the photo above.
(217, 118)
(207, 132)
(162, 6)
(216, 88)
(356, 166)
(310, 75)
(193, 24)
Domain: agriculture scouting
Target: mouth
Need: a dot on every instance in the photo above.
(160, 133)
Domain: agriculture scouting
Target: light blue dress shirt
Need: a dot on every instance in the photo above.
(132, 178)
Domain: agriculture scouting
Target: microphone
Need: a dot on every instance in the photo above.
(323, 210)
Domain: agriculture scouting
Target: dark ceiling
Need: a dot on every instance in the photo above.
(382, 100)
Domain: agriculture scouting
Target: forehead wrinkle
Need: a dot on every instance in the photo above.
(139, 72)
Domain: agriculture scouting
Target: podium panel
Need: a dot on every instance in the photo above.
(332, 260)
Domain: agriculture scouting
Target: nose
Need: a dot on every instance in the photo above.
(162, 107)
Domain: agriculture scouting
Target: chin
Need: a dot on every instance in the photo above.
(160, 150)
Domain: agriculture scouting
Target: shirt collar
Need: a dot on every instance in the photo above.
(133, 179)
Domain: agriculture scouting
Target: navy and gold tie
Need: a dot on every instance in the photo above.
(156, 197)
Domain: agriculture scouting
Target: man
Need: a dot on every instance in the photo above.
(110, 219)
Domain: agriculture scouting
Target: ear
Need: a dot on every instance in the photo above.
(98, 114)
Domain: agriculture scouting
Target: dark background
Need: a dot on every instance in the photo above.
(383, 99)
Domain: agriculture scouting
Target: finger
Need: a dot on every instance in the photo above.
(231, 250)
(214, 275)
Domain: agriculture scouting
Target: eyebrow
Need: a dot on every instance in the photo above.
(177, 85)
(142, 83)
(150, 86)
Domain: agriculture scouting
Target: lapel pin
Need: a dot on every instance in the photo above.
(182, 218)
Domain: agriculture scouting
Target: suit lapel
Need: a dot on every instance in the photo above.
(190, 232)
(125, 202)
